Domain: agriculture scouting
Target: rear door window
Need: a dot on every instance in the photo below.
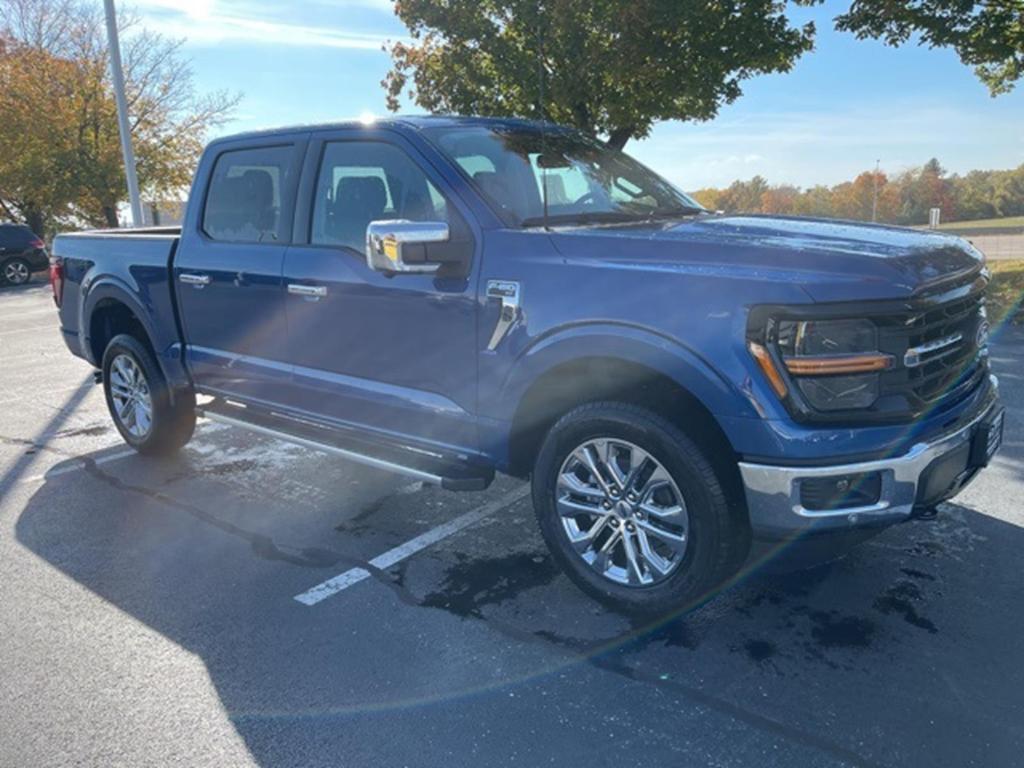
(243, 204)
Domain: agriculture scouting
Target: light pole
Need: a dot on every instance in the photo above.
(117, 75)
(874, 200)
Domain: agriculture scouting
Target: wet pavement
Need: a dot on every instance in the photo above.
(148, 614)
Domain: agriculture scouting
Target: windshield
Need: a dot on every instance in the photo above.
(585, 180)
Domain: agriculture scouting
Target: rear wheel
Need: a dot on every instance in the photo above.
(16, 272)
(139, 399)
(633, 511)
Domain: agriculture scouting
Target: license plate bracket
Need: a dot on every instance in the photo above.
(988, 436)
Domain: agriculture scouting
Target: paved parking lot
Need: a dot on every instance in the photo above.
(149, 614)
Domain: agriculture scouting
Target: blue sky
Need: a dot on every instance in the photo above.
(844, 106)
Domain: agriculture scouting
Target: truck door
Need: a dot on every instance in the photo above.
(393, 353)
(227, 270)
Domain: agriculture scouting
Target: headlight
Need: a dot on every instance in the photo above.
(835, 364)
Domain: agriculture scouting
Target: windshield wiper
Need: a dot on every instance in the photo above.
(606, 217)
(673, 213)
(594, 217)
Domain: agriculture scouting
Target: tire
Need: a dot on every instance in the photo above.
(698, 540)
(131, 375)
(16, 271)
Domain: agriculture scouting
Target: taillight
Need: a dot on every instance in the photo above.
(57, 281)
(38, 244)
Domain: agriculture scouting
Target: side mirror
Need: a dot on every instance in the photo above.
(400, 245)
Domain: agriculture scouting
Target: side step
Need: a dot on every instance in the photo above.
(452, 473)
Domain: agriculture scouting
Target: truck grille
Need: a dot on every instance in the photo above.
(940, 351)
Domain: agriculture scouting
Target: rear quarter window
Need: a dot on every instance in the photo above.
(15, 234)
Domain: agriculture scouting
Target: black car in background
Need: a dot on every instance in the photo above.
(22, 252)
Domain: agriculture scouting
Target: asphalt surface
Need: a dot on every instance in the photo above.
(148, 615)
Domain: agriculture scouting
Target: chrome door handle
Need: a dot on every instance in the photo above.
(508, 292)
(309, 291)
(197, 280)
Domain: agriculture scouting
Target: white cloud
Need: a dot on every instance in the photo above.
(211, 22)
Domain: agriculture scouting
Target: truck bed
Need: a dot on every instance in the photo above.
(138, 261)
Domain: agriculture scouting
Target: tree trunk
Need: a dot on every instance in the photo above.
(110, 214)
(618, 138)
(34, 221)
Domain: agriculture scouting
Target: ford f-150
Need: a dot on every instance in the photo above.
(455, 297)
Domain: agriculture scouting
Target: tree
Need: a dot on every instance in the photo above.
(904, 199)
(60, 154)
(780, 200)
(816, 201)
(611, 67)
(987, 35)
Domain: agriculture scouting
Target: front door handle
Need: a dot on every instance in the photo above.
(314, 292)
(197, 280)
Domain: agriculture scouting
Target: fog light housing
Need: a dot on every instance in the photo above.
(835, 492)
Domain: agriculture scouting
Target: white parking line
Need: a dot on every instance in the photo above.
(354, 575)
(122, 454)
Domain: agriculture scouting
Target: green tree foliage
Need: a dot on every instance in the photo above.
(987, 35)
(60, 153)
(611, 67)
(903, 199)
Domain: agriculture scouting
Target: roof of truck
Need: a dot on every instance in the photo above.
(413, 122)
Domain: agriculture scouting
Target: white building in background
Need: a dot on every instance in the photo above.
(163, 213)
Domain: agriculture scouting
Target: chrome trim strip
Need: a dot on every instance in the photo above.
(912, 357)
(196, 280)
(508, 292)
(359, 458)
(773, 492)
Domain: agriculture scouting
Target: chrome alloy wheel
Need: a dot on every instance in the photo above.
(622, 512)
(16, 272)
(129, 390)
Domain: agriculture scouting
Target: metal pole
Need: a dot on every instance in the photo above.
(874, 200)
(117, 75)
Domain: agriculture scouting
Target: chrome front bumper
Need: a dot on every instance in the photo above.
(774, 499)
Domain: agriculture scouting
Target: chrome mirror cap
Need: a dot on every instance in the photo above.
(398, 245)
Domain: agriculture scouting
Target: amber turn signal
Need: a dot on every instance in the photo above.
(840, 364)
(767, 365)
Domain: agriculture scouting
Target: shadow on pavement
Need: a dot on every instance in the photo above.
(900, 650)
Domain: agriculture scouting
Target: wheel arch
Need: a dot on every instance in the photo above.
(110, 308)
(571, 383)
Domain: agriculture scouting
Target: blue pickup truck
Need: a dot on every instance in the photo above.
(455, 297)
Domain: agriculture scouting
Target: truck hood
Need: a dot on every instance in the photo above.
(830, 260)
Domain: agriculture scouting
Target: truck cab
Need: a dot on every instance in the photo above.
(455, 297)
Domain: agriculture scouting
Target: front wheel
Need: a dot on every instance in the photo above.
(140, 401)
(633, 511)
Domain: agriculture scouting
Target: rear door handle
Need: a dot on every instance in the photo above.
(197, 280)
(315, 292)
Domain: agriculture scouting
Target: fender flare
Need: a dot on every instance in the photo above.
(109, 288)
(114, 288)
(632, 344)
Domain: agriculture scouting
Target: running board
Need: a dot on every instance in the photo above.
(421, 465)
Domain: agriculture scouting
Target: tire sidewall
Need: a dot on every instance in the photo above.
(687, 587)
(128, 345)
(8, 262)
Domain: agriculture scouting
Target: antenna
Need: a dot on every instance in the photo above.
(540, 109)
